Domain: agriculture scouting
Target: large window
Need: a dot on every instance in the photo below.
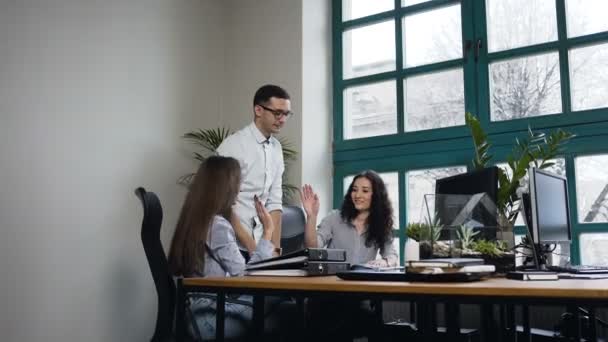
(406, 72)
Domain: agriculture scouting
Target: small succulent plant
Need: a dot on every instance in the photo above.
(465, 235)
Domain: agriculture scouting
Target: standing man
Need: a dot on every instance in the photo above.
(261, 157)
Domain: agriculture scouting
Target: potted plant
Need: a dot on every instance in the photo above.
(425, 238)
(536, 148)
(210, 139)
(412, 245)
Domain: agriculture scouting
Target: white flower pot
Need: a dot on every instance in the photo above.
(412, 250)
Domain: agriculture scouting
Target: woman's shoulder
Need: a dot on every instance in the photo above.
(220, 222)
(334, 217)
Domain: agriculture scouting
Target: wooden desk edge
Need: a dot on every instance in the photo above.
(496, 287)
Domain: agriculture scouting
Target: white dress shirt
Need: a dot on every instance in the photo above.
(262, 167)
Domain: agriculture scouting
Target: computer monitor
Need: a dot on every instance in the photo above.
(470, 183)
(550, 211)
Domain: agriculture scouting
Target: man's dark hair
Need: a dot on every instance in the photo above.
(265, 92)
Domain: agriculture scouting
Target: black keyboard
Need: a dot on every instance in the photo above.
(579, 269)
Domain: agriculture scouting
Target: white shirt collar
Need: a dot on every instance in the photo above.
(259, 137)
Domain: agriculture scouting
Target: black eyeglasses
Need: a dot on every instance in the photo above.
(278, 113)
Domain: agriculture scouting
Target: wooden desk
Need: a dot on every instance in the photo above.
(589, 293)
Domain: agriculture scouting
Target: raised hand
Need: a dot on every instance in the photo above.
(265, 218)
(310, 201)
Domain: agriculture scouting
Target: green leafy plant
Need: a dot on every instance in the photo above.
(537, 148)
(435, 228)
(417, 231)
(488, 248)
(208, 140)
(465, 235)
(424, 231)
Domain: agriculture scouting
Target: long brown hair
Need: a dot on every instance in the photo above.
(215, 187)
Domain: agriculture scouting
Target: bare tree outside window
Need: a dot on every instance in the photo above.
(592, 188)
(422, 182)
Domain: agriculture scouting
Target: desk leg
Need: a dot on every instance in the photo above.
(220, 315)
(510, 326)
(258, 316)
(576, 316)
(525, 316)
(302, 315)
(426, 320)
(592, 325)
(452, 321)
(487, 322)
(180, 310)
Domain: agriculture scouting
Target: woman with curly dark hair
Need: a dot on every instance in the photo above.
(362, 227)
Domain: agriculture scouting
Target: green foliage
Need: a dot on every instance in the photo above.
(210, 139)
(435, 228)
(480, 140)
(488, 248)
(417, 231)
(536, 147)
(424, 231)
(465, 235)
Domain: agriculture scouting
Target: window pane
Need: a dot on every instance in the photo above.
(353, 9)
(589, 77)
(432, 36)
(525, 87)
(391, 180)
(411, 2)
(592, 188)
(593, 249)
(559, 168)
(434, 100)
(517, 23)
(370, 110)
(586, 17)
(422, 182)
(369, 49)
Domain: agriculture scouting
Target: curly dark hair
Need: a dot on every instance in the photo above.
(380, 220)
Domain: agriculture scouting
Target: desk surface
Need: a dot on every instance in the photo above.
(495, 287)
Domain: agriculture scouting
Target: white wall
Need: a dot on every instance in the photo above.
(263, 45)
(94, 96)
(316, 127)
(285, 42)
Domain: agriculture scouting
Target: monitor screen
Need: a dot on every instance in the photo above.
(550, 210)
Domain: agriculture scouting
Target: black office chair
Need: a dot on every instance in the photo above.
(293, 223)
(165, 287)
(159, 266)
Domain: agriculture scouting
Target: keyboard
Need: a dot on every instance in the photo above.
(579, 269)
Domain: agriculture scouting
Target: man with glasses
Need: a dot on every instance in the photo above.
(261, 157)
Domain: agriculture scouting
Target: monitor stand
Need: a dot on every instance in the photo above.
(539, 258)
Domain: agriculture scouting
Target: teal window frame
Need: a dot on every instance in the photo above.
(408, 151)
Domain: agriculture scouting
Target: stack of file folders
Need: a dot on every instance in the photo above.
(305, 262)
(449, 265)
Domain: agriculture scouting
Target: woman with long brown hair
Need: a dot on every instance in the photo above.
(204, 242)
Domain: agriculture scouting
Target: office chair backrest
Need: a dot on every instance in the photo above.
(293, 223)
(165, 287)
